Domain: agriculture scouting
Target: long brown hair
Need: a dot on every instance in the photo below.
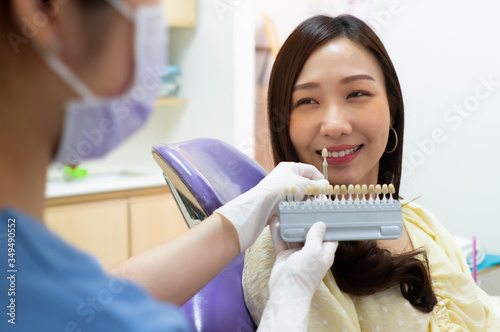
(360, 267)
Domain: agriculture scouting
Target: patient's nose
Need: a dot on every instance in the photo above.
(335, 122)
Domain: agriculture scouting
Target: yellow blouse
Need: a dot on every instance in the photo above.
(462, 306)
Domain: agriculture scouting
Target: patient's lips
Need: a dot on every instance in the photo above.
(341, 154)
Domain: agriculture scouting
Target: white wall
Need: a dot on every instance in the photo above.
(444, 51)
(244, 77)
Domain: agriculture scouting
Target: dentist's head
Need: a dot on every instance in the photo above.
(81, 75)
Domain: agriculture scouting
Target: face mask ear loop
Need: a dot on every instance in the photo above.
(123, 8)
(66, 74)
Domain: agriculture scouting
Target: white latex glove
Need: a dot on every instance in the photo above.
(251, 211)
(295, 277)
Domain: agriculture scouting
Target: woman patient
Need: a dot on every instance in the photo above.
(334, 86)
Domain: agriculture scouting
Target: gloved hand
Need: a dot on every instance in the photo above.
(250, 212)
(295, 277)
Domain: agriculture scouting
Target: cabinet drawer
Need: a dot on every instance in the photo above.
(154, 220)
(99, 228)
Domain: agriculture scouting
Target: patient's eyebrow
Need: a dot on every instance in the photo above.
(306, 86)
(345, 80)
(353, 78)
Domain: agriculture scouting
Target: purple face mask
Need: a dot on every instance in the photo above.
(94, 126)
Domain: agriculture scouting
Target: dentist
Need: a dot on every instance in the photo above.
(77, 78)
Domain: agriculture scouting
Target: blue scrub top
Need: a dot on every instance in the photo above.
(47, 285)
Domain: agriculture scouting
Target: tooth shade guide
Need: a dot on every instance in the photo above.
(336, 192)
(392, 191)
(309, 190)
(324, 154)
(345, 195)
(385, 191)
(286, 192)
(293, 191)
(322, 190)
(316, 190)
(381, 220)
(350, 191)
(322, 193)
(343, 192)
(357, 191)
(364, 192)
(329, 191)
(378, 191)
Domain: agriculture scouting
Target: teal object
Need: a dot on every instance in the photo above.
(489, 260)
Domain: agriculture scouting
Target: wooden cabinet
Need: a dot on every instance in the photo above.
(99, 228)
(113, 228)
(153, 220)
(180, 13)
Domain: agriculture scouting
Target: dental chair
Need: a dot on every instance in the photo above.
(203, 174)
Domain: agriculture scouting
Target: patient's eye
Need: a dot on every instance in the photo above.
(305, 101)
(358, 93)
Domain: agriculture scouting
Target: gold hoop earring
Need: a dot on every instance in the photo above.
(395, 145)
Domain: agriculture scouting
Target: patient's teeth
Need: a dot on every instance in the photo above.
(336, 154)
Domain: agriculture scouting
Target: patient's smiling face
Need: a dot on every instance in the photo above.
(340, 103)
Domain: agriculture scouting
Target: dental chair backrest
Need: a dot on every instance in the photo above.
(203, 174)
